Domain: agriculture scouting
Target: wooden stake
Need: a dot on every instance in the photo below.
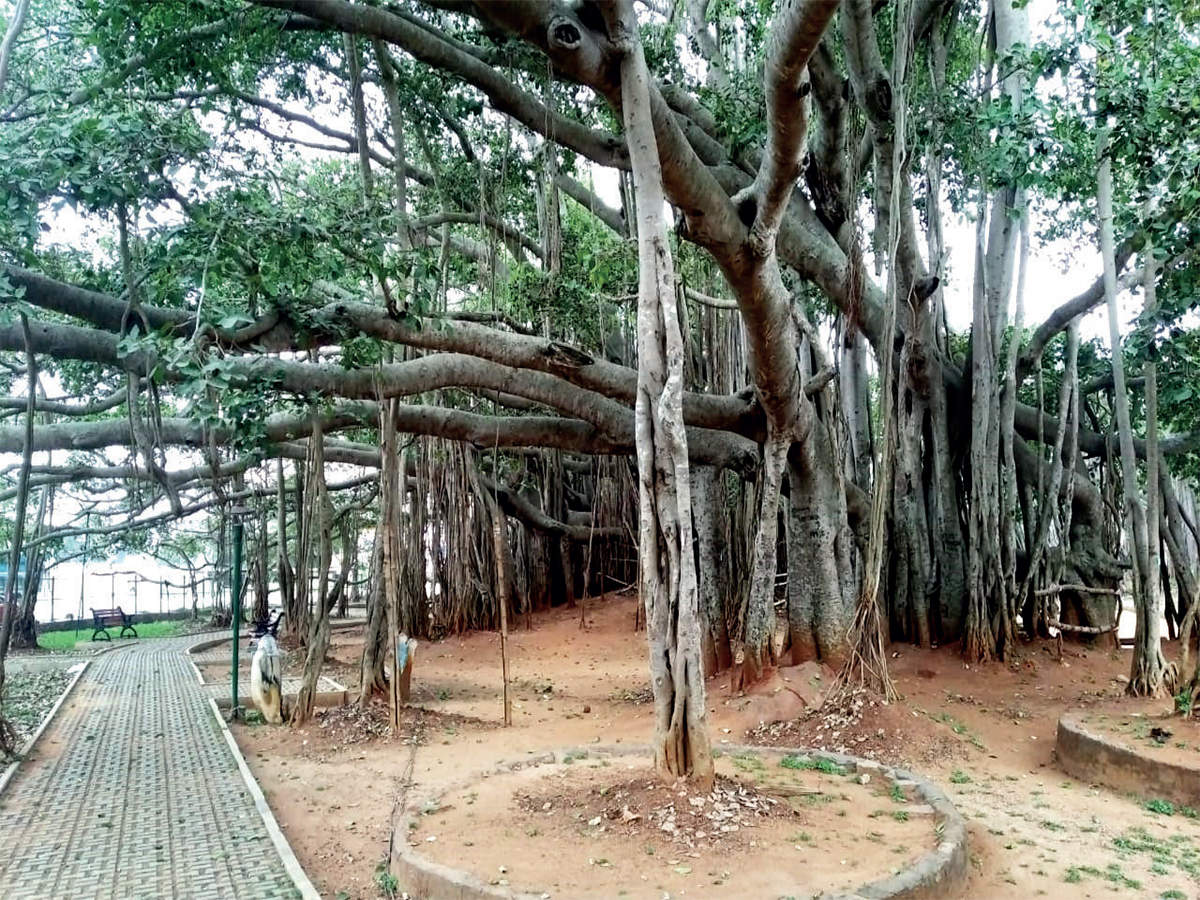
(500, 540)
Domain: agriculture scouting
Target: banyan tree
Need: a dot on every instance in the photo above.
(480, 307)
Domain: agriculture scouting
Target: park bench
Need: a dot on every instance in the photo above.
(102, 619)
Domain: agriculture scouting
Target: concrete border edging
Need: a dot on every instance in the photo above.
(340, 696)
(11, 769)
(209, 643)
(933, 875)
(299, 877)
(1099, 759)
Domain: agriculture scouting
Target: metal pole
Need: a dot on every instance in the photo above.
(235, 583)
(82, 582)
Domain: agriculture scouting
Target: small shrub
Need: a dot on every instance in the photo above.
(1114, 874)
(1183, 703)
(958, 776)
(1160, 806)
(388, 884)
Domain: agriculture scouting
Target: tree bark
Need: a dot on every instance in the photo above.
(710, 564)
(7, 736)
(318, 636)
(24, 628)
(1149, 675)
(758, 640)
(668, 578)
(373, 666)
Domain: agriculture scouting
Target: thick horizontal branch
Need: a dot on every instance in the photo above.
(137, 524)
(427, 47)
(515, 505)
(613, 218)
(1026, 422)
(101, 310)
(61, 408)
(1058, 320)
(737, 413)
(178, 431)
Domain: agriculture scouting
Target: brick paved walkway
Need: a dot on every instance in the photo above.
(132, 792)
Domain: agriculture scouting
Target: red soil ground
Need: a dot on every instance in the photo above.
(985, 733)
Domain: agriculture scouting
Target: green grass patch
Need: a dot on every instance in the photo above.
(958, 776)
(747, 762)
(958, 728)
(65, 640)
(807, 763)
(1162, 807)
(1175, 852)
(1112, 874)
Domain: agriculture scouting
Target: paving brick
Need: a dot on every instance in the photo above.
(133, 793)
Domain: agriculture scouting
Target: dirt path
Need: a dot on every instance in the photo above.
(986, 735)
(1036, 832)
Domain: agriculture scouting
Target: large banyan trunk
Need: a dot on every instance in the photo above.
(412, 598)
(991, 611)
(321, 517)
(372, 667)
(856, 409)
(24, 626)
(668, 577)
(707, 505)
(821, 576)
(758, 632)
(911, 547)
(1150, 675)
(287, 578)
(7, 734)
(260, 574)
(298, 617)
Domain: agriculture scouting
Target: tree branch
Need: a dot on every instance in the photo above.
(431, 49)
(795, 34)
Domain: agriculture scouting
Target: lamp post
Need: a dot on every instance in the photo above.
(235, 582)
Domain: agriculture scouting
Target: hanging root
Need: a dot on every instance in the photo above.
(8, 739)
(866, 667)
(1144, 684)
